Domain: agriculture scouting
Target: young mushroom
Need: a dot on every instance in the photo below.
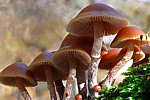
(138, 54)
(97, 88)
(78, 97)
(126, 37)
(18, 75)
(146, 50)
(43, 70)
(107, 62)
(100, 20)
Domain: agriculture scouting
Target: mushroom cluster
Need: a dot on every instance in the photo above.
(83, 50)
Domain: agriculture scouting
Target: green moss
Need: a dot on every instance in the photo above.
(135, 86)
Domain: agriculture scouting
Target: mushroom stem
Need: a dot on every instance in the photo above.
(119, 67)
(98, 40)
(81, 81)
(21, 87)
(25, 95)
(50, 82)
(70, 80)
(96, 57)
(60, 88)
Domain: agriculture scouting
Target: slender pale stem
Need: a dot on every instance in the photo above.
(98, 40)
(21, 87)
(96, 57)
(81, 81)
(50, 82)
(116, 70)
(25, 95)
(60, 88)
(70, 80)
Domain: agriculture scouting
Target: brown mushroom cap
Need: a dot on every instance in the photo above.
(61, 58)
(77, 40)
(128, 35)
(110, 19)
(107, 59)
(146, 50)
(138, 54)
(37, 67)
(78, 97)
(8, 75)
(97, 88)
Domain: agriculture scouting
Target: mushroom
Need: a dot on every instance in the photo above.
(126, 37)
(138, 54)
(68, 59)
(18, 75)
(100, 20)
(146, 50)
(97, 88)
(107, 60)
(107, 63)
(43, 70)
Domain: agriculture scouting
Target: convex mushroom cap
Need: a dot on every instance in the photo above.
(108, 59)
(111, 21)
(44, 70)
(146, 50)
(61, 57)
(77, 40)
(138, 55)
(128, 35)
(37, 67)
(78, 97)
(9, 75)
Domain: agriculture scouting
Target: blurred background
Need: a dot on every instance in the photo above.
(28, 27)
